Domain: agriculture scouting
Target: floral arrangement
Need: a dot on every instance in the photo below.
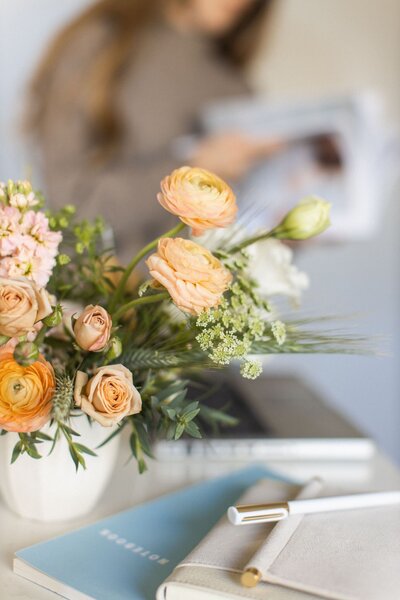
(80, 335)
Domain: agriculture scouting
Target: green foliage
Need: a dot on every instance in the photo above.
(176, 414)
(28, 443)
(302, 341)
(149, 358)
(76, 450)
(84, 270)
(86, 235)
(216, 418)
(139, 442)
(117, 431)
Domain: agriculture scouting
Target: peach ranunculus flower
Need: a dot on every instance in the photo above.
(22, 305)
(25, 393)
(199, 198)
(194, 277)
(92, 328)
(108, 396)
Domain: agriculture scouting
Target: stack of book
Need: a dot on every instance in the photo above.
(182, 547)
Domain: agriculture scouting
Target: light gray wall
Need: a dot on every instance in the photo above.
(360, 278)
(317, 46)
(26, 27)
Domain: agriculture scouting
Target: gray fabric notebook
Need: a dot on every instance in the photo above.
(348, 555)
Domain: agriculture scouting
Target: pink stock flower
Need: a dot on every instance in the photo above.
(10, 234)
(27, 245)
(36, 225)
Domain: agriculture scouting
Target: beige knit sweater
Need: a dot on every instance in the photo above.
(172, 76)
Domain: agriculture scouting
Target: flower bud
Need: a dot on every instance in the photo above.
(26, 353)
(63, 259)
(115, 348)
(55, 317)
(19, 200)
(309, 218)
(92, 328)
(69, 209)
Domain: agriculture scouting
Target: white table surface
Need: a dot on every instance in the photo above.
(127, 488)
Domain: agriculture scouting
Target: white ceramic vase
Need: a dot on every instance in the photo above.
(50, 489)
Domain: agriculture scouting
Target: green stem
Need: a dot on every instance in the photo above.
(136, 260)
(250, 241)
(39, 339)
(140, 301)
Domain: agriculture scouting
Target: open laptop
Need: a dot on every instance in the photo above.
(279, 418)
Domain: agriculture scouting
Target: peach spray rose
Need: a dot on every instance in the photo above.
(199, 198)
(22, 305)
(194, 278)
(108, 396)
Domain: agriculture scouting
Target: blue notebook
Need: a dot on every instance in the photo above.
(127, 556)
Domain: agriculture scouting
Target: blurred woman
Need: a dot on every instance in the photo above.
(120, 85)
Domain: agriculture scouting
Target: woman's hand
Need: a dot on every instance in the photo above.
(231, 155)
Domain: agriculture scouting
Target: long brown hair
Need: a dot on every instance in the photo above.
(125, 19)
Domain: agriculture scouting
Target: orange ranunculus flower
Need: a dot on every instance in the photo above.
(199, 198)
(25, 393)
(194, 277)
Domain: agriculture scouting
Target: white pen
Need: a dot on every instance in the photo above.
(248, 514)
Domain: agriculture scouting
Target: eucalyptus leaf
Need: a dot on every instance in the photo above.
(84, 449)
(192, 429)
(17, 451)
(180, 428)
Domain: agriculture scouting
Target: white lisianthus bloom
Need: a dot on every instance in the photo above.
(271, 267)
(213, 239)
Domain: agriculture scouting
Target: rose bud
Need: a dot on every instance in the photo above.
(114, 349)
(92, 328)
(308, 219)
(55, 318)
(26, 353)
